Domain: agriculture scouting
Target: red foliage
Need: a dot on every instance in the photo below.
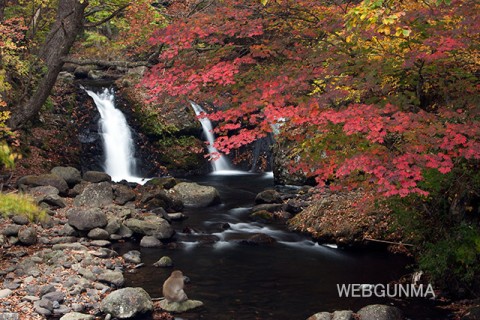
(357, 100)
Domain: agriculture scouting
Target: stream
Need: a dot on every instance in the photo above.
(291, 279)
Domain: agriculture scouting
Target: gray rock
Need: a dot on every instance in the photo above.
(127, 303)
(70, 174)
(124, 231)
(112, 277)
(98, 234)
(86, 219)
(11, 230)
(54, 201)
(68, 231)
(77, 316)
(96, 176)
(151, 226)
(164, 262)
(44, 180)
(163, 182)
(20, 219)
(27, 235)
(379, 312)
(197, 196)
(5, 293)
(100, 243)
(268, 196)
(343, 315)
(46, 304)
(61, 310)
(54, 296)
(9, 316)
(69, 246)
(133, 256)
(321, 316)
(150, 242)
(123, 194)
(179, 307)
(113, 225)
(95, 195)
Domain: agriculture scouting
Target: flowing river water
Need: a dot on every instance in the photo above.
(291, 279)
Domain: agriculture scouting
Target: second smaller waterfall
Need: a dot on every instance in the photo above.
(221, 163)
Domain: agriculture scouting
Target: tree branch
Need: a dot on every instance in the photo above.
(110, 17)
(106, 63)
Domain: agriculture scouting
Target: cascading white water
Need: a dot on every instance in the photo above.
(221, 163)
(117, 138)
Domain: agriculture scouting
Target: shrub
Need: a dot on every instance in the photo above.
(12, 204)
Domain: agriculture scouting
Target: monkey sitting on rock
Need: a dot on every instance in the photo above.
(173, 287)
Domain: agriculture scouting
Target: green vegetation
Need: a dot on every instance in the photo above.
(13, 204)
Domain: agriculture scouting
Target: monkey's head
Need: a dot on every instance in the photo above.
(177, 274)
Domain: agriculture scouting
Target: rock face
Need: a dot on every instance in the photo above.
(379, 312)
(197, 196)
(86, 219)
(178, 307)
(127, 303)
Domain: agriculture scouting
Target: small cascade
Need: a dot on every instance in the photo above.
(117, 138)
(221, 164)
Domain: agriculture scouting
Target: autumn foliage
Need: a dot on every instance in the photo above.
(372, 93)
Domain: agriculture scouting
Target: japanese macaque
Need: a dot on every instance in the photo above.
(173, 287)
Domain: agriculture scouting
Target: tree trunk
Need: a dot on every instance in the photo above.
(68, 24)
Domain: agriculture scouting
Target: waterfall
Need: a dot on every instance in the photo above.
(221, 163)
(117, 138)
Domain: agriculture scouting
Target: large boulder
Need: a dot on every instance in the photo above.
(95, 195)
(197, 196)
(70, 174)
(127, 303)
(86, 219)
(379, 312)
(44, 180)
(150, 226)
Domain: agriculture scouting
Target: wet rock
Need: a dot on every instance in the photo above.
(379, 312)
(44, 180)
(176, 216)
(86, 219)
(123, 194)
(164, 262)
(124, 232)
(96, 177)
(150, 242)
(71, 175)
(27, 235)
(258, 239)
(112, 277)
(295, 206)
(197, 196)
(179, 307)
(263, 216)
(127, 303)
(268, 196)
(133, 256)
(77, 316)
(98, 234)
(151, 226)
(95, 195)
